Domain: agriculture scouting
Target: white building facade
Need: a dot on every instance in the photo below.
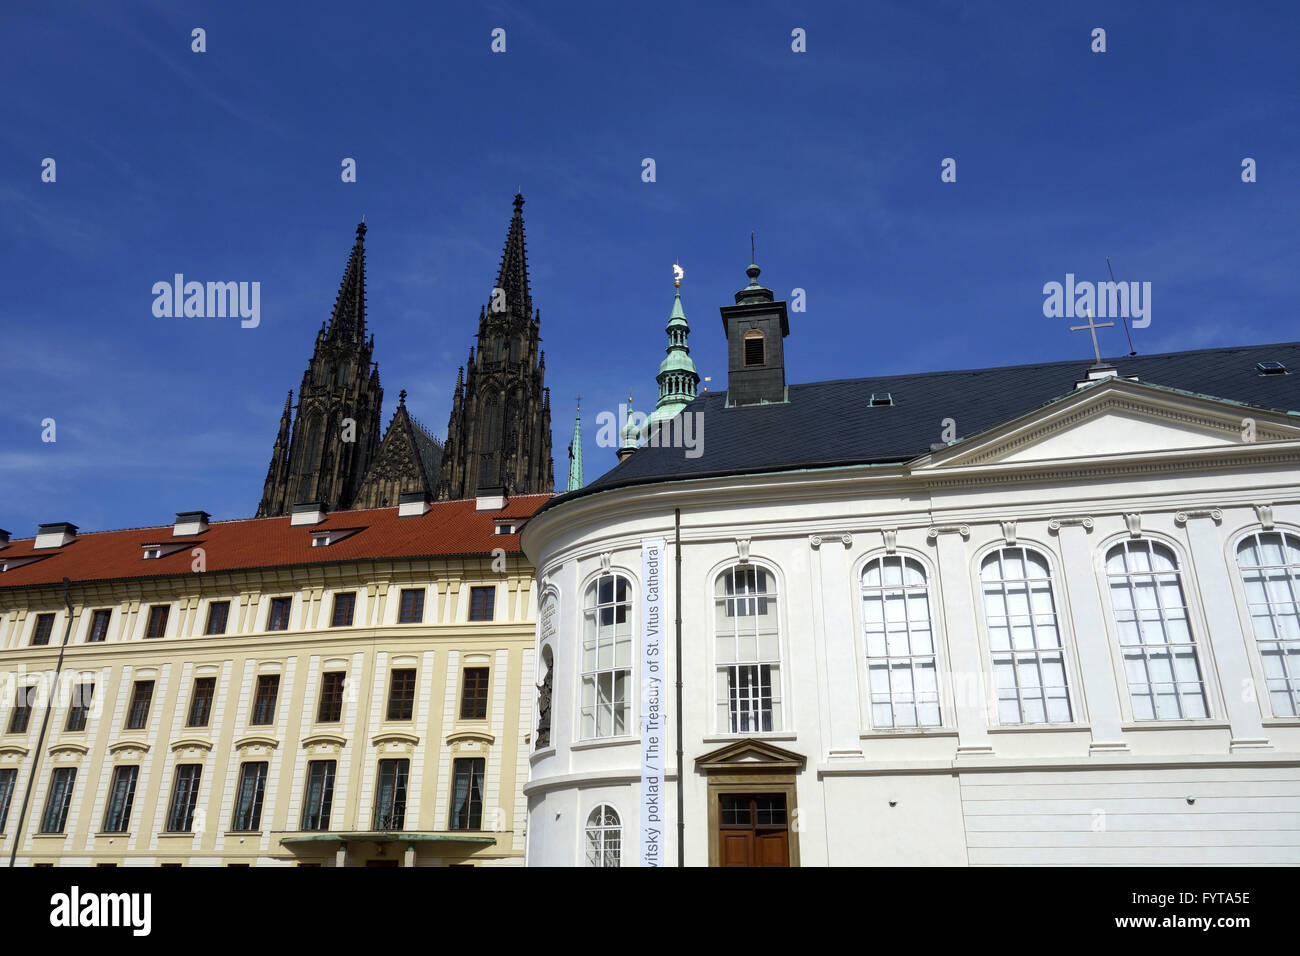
(1070, 638)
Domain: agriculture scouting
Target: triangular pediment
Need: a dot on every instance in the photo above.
(1117, 418)
(751, 754)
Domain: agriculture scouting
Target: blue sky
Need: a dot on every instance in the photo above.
(225, 165)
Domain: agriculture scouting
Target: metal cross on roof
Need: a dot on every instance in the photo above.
(1093, 327)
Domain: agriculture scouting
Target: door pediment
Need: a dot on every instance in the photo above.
(750, 754)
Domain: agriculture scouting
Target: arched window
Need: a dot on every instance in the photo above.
(753, 344)
(1155, 632)
(604, 837)
(1024, 638)
(606, 656)
(1269, 562)
(901, 668)
(747, 639)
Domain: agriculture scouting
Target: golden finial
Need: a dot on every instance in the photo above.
(678, 272)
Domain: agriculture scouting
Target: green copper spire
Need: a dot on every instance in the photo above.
(677, 378)
(575, 452)
(631, 434)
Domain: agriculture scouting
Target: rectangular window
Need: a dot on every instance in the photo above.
(401, 695)
(22, 712)
(482, 603)
(607, 657)
(44, 628)
(278, 619)
(121, 795)
(248, 797)
(753, 348)
(218, 616)
(185, 795)
(141, 698)
(474, 694)
(81, 698)
(60, 798)
(467, 794)
(268, 689)
(157, 621)
(201, 702)
(330, 710)
(390, 795)
(8, 780)
(320, 795)
(344, 605)
(99, 626)
(412, 607)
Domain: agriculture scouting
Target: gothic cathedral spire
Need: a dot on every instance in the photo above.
(337, 426)
(499, 433)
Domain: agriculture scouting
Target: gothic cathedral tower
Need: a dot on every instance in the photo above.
(337, 427)
(499, 432)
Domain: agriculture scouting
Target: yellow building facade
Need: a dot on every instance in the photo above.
(348, 689)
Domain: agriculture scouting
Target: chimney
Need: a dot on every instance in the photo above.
(4, 539)
(490, 499)
(308, 512)
(190, 522)
(755, 327)
(55, 535)
(412, 504)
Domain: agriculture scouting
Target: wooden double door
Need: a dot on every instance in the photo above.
(753, 829)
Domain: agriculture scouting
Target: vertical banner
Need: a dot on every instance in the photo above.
(652, 710)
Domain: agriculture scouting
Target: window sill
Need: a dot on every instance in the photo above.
(177, 834)
(1038, 728)
(537, 755)
(1192, 724)
(1282, 722)
(49, 836)
(111, 834)
(885, 734)
(766, 735)
(605, 742)
(243, 833)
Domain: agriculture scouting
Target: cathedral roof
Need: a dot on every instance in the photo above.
(448, 529)
(828, 424)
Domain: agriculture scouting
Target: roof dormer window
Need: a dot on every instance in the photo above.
(879, 399)
(329, 536)
(506, 527)
(1270, 368)
(152, 551)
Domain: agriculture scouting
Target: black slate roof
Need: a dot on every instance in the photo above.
(834, 423)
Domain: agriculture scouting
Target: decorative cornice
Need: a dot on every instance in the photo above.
(191, 744)
(394, 737)
(1265, 514)
(815, 541)
(323, 741)
(13, 750)
(463, 735)
(256, 742)
(1183, 517)
(1022, 472)
(935, 531)
(1074, 521)
(69, 749)
(129, 748)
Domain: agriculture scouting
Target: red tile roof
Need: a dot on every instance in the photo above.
(449, 528)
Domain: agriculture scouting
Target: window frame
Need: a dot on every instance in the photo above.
(604, 830)
(488, 612)
(402, 617)
(68, 774)
(401, 785)
(343, 601)
(104, 614)
(939, 637)
(264, 680)
(1064, 628)
(1246, 618)
(1195, 621)
(320, 815)
(42, 629)
(137, 703)
(468, 808)
(79, 708)
(482, 696)
(225, 618)
(753, 335)
(24, 693)
(156, 618)
(326, 688)
(122, 824)
(8, 784)
(192, 775)
(194, 699)
(391, 699)
(272, 612)
(252, 811)
(631, 701)
(780, 688)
